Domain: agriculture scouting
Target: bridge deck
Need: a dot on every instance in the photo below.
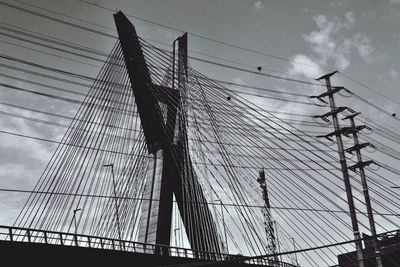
(25, 245)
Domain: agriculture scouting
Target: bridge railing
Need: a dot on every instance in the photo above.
(19, 234)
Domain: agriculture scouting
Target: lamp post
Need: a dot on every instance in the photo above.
(176, 242)
(74, 218)
(223, 223)
(294, 249)
(76, 226)
(115, 197)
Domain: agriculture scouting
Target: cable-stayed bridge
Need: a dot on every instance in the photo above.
(160, 160)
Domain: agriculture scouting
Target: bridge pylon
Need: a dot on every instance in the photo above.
(170, 171)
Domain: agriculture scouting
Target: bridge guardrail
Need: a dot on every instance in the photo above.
(20, 234)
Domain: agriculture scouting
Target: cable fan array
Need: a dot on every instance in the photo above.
(104, 131)
(230, 138)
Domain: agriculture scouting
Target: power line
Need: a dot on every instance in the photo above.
(202, 37)
(258, 73)
(209, 62)
(201, 60)
(63, 43)
(88, 29)
(227, 163)
(57, 20)
(369, 88)
(88, 78)
(208, 203)
(127, 154)
(142, 19)
(50, 54)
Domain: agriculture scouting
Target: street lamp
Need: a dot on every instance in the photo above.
(176, 242)
(294, 249)
(74, 218)
(223, 223)
(115, 197)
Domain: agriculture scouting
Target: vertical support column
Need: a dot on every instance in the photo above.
(182, 79)
(364, 184)
(346, 178)
(182, 58)
(151, 204)
(196, 215)
(156, 211)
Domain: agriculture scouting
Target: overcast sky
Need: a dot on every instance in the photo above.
(295, 39)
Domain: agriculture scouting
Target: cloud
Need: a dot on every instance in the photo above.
(393, 2)
(338, 3)
(307, 68)
(393, 74)
(22, 159)
(362, 43)
(238, 80)
(259, 5)
(333, 45)
(350, 18)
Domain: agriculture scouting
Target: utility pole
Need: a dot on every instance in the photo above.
(360, 166)
(269, 227)
(116, 203)
(338, 133)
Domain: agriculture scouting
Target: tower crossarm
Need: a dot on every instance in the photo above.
(330, 113)
(342, 131)
(328, 93)
(357, 147)
(361, 164)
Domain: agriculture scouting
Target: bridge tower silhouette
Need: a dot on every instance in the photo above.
(138, 118)
(166, 140)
